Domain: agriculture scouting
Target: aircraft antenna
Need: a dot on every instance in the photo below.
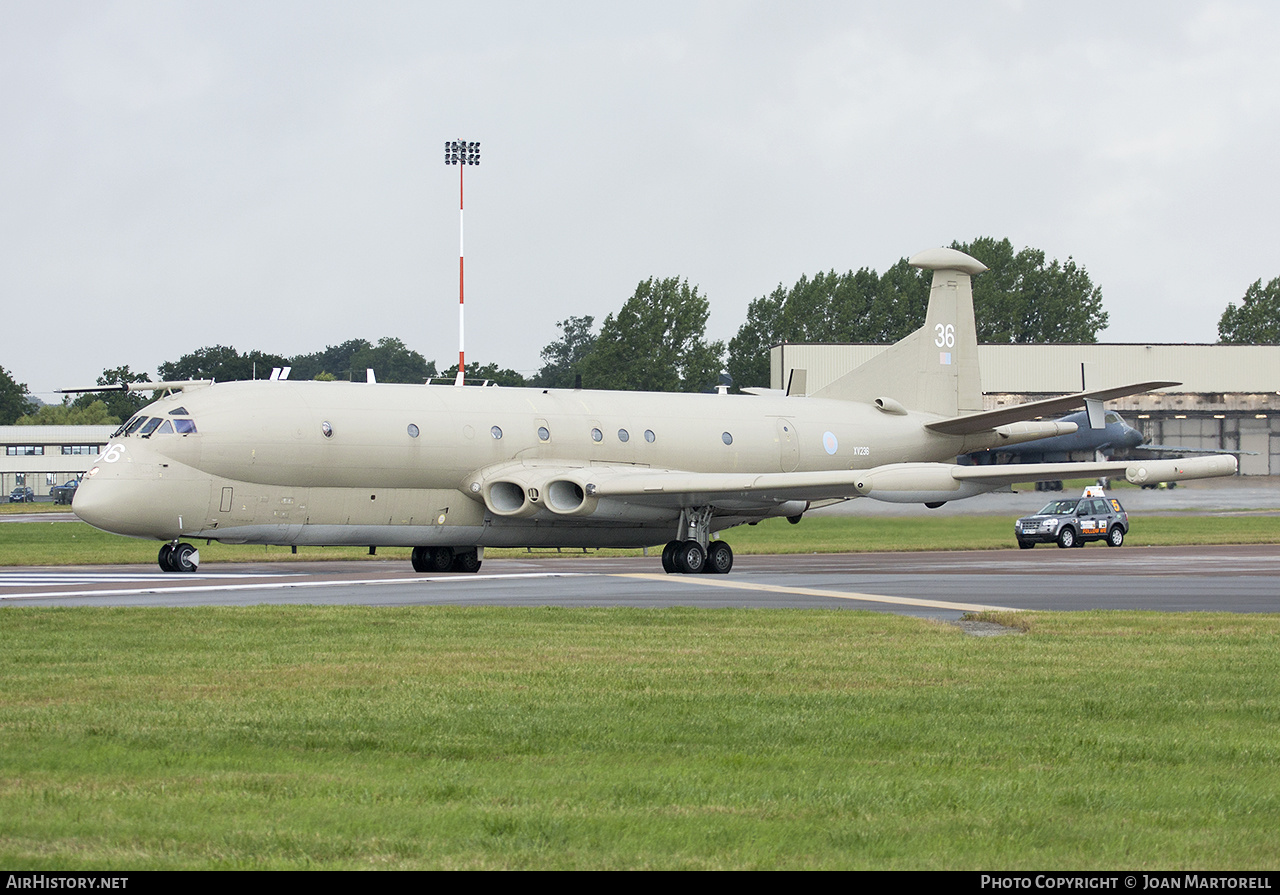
(461, 153)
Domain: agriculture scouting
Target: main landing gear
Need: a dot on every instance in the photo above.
(694, 551)
(446, 559)
(175, 557)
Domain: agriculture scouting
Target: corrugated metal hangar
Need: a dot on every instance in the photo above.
(1229, 397)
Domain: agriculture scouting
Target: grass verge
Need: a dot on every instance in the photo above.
(324, 737)
(75, 543)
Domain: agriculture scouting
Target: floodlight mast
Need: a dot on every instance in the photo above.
(461, 153)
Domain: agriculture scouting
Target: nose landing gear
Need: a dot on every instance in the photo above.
(175, 557)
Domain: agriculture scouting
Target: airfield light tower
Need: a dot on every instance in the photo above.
(461, 153)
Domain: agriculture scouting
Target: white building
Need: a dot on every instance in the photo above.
(43, 456)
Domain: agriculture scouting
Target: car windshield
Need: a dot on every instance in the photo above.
(1058, 508)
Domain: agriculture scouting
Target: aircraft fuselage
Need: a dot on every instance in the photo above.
(381, 464)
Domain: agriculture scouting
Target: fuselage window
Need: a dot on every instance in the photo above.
(184, 427)
(496, 432)
(326, 428)
(413, 430)
(726, 438)
(649, 436)
(544, 434)
(149, 427)
(597, 435)
(624, 435)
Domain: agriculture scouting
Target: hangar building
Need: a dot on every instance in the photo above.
(40, 457)
(1228, 399)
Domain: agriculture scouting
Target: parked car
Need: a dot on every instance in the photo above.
(65, 492)
(1074, 520)
(22, 495)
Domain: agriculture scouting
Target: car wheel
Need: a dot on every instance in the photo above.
(1115, 537)
(1026, 545)
(1067, 537)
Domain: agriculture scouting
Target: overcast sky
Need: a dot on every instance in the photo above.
(270, 174)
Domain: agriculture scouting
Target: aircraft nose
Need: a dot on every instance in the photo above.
(114, 505)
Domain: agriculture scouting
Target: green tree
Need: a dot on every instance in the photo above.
(95, 413)
(656, 342)
(14, 398)
(561, 358)
(1019, 299)
(221, 363)
(118, 404)
(391, 361)
(1022, 300)
(1256, 321)
(491, 372)
(334, 360)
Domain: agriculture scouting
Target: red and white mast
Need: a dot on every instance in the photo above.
(461, 153)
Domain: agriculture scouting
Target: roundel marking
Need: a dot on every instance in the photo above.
(829, 442)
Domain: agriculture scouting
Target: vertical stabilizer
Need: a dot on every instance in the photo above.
(935, 369)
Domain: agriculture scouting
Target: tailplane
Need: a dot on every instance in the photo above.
(935, 369)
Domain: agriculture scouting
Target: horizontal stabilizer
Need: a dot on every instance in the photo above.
(989, 419)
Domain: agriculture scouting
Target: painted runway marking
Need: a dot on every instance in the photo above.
(817, 592)
(37, 579)
(277, 585)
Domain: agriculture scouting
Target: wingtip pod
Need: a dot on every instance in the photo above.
(946, 259)
(1149, 471)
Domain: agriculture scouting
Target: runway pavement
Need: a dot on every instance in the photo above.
(941, 585)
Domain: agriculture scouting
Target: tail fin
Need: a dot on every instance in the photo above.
(935, 369)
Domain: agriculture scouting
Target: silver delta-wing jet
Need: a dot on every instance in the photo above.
(449, 471)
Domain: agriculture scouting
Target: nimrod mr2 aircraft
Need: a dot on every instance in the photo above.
(449, 471)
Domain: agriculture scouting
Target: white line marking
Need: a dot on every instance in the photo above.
(816, 592)
(281, 585)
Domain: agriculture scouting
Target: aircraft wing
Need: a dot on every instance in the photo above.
(517, 490)
(989, 419)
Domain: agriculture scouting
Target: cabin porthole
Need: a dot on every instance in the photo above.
(624, 435)
(496, 432)
(726, 438)
(597, 435)
(649, 436)
(413, 431)
(327, 429)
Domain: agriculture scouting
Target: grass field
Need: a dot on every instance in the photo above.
(75, 543)
(681, 738)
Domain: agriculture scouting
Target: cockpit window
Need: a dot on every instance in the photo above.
(133, 426)
(1113, 418)
(166, 428)
(179, 411)
(150, 426)
(184, 427)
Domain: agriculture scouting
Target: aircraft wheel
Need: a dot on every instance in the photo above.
(1115, 537)
(466, 561)
(1067, 537)
(184, 558)
(419, 559)
(719, 558)
(166, 558)
(690, 558)
(1026, 545)
(669, 557)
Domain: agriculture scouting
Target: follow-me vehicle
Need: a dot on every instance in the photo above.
(1072, 521)
(451, 470)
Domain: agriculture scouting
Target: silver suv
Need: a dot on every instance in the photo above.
(1072, 521)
